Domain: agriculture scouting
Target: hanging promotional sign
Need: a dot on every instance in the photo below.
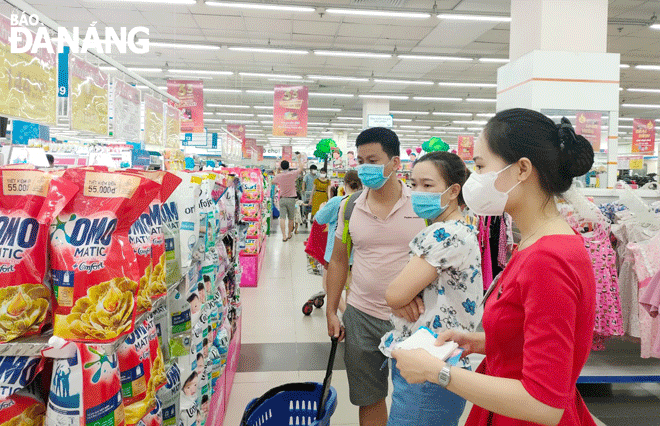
(248, 146)
(238, 130)
(260, 153)
(466, 147)
(191, 103)
(172, 127)
(290, 111)
(643, 138)
(88, 97)
(154, 127)
(588, 124)
(287, 153)
(29, 81)
(126, 111)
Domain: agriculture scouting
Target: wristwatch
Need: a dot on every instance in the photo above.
(444, 377)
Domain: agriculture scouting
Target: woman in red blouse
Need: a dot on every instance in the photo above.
(539, 316)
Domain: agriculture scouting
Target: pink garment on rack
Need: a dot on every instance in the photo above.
(484, 244)
(647, 265)
(649, 297)
(502, 257)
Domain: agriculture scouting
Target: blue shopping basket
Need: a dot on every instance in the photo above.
(309, 404)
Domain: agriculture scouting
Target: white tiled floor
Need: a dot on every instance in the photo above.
(272, 314)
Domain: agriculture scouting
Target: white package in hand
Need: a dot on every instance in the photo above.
(424, 338)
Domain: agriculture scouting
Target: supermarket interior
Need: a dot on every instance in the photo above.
(146, 147)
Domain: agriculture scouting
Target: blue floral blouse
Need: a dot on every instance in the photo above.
(453, 300)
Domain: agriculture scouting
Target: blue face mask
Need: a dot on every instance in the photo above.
(372, 175)
(428, 205)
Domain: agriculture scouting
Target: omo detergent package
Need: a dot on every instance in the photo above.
(186, 199)
(30, 201)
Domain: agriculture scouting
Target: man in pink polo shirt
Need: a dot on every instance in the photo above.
(286, 180)
(381, 226)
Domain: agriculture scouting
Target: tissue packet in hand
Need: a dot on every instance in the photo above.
(424, 338)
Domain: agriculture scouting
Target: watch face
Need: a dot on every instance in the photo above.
(444, 377)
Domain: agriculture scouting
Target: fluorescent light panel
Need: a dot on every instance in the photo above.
(234, 114)
(145, 70)
(644, 90)
(392, 97)
(259, 92)
(262, 107)
(411, 82)
(261, 6)
(483, 100)
(436, 99)
(337, 78)
(435, 58)
(642, 106)
(378, 13)
(410, 112)
(648, 67)
(350, 118)
(227, 106)
(179, 2)
(184, 45)
(332, 95)
(458, 84)
(347, 54)
(463, 17)
(212, 90)
(624, 66)
(453, 114)
(209, 72)
(324, 109)
(269, 50)
(494, 60)
(476, 123)
(263, 75)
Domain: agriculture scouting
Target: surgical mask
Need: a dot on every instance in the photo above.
(482, 197)
(373, 175)
(323, 175)
(428, 205)
(314, 172)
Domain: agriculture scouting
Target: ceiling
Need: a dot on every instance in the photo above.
(472, 41)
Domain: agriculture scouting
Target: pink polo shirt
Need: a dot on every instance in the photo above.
(381, 251)
(287, 182)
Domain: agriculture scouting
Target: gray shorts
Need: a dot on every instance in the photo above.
(367, 377)
(287, 208)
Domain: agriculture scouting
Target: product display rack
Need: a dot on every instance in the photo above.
(254, 227)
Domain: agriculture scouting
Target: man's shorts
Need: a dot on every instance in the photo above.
(365, 363)
(287, 208)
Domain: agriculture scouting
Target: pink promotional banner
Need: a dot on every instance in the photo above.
(249, 145)
(287, 153)
(191, 103)
(588, 124)
(643, 139)
(290, 111)
(466, 147)
(260, 153)
(238, 130)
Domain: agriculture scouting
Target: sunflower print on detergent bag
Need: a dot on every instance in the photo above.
(29, 202)
(95, 278)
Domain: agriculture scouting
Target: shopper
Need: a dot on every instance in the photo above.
(539, 316)
(308, 183)
(328, 214)
(445, 268)
(286, 180)
(320, 191)
(381, 226)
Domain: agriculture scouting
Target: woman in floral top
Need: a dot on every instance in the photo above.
(441, 287)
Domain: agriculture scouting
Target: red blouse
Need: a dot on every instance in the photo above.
(539, 323)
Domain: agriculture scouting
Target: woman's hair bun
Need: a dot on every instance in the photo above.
(577, 154)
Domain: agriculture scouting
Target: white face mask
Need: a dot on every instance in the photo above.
(323, 175)
(482, 197)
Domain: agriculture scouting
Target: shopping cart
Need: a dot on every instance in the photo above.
(309, 404)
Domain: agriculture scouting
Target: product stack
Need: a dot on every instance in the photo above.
(123, 284)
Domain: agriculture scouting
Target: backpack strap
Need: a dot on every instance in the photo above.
(348, 211)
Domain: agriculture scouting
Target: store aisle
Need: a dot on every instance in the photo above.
(280, 345)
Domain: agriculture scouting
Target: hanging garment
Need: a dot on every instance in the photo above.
(649, 297)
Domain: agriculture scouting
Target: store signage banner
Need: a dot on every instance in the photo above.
(88, 97)
(588, 124)
(380, 120)
(194, 139)
(63, 73)
(260, 153)
(191, 103)
(248, 146)
(643, 139)
(238, 130)
(290, 111)
(636, 163)
(29, 81)
(172, 127)
(126, 112)
(466, 147)
(154, 127)
(287, 153)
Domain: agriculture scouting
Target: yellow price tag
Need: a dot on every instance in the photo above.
(636, 164)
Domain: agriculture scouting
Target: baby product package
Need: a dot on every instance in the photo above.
(186, 198)
(169, 396)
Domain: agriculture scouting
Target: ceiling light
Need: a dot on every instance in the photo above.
(645, 90)
(643, 106)
(145, 70)
(410, 112)
(435, 58)
(184, 46)
(234, 114)
(453, 114)
(259, 92)
(648, 67)
(450, 128)
(212, 120)
(624, 66)
(342, 124)
(626, 119)
(433, 99)
(352, 54)
(487, 114)
(626, 127)
(208, 89)
(331, 95)
(488, 18)
(239, 121)
(262, 107)
(494, 60)
(412, 82)
(480, 100)
(655, 27)
(476, 123)
(392, 97)
(350, 118)
(458, 84)
(260, 75)
(179, 71)
(208, 112)
(415, 127)
(181, 2)
(475, 129)
(260, 6)
(324, 109)
(227, 106)
(402, 120)
(378, 13)
(268, 50)
(336, 77)
(265, 115)
(317, 123)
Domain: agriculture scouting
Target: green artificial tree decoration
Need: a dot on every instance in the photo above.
(324, 150)
(435, 144)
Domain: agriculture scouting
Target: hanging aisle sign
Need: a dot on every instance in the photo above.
(466, 147)
(154, 125)
(248, 146)
(88, 95)
(172, 127)
(126, 112)
(28, 81)
(643, 139)
(287, 153)
(260, 153)
(290, 111)
(238, 130)
(191, 103)
(588, 124)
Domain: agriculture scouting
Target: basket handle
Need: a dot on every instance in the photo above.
(305, 387)
(328, 379)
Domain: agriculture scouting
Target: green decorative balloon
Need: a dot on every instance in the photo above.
(435, 144)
